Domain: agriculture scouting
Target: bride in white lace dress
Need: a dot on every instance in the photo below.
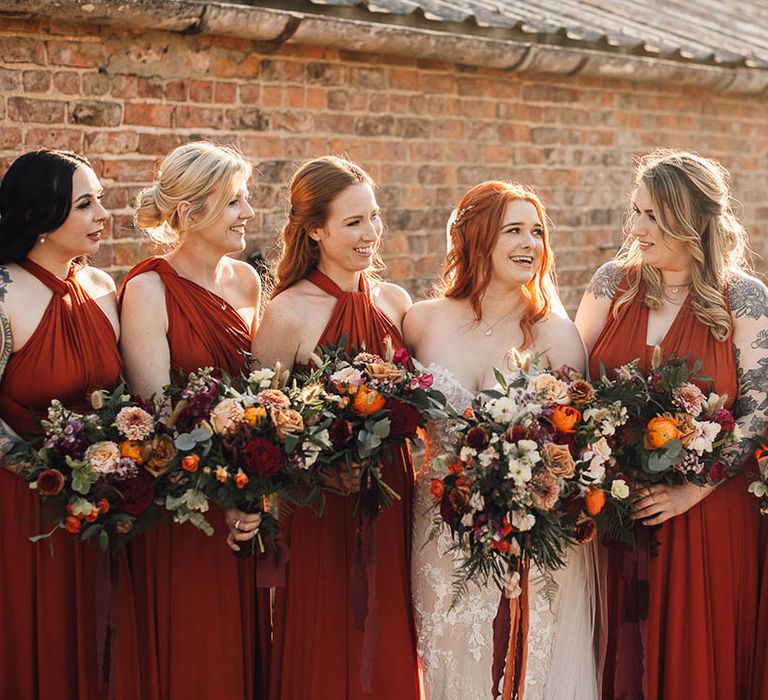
(496, 296)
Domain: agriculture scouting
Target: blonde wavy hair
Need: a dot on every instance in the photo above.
(692, 204)
(202, 173)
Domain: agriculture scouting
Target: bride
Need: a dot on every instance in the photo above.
(496, 296)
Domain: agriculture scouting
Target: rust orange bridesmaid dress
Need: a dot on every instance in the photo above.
(203, 624)
(700, 630)
(48, 615)
(318, 651)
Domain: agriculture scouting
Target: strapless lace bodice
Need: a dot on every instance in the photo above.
(455, 644)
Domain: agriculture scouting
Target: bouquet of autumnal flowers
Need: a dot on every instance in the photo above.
(371, 403)
(240, 442)
(525, 478)
(101, 466)
(523, 483)
(674, 433)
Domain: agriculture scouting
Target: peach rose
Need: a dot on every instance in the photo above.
(103, 456)
(558, 459)
(659, 431)
(286, 420)
(549, 388)
(385, 372)
(226, 415)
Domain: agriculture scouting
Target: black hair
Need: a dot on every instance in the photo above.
(35, 198)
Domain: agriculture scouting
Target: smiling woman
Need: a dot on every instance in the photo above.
(195, 307)
(59, 340)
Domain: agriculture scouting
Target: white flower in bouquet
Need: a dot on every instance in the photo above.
(704, 436)
(487, 456)
(620, 489)
(522, 522)
(476, 501)
(519, 471)
(347, 375)
(505, 410)
(261, 378)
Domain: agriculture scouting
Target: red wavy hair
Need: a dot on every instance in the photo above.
(467, 270)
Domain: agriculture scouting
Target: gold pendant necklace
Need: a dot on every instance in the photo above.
(490, 326)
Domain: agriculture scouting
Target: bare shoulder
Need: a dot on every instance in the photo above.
(147, 287)
(395, 296)
(96, 279)
(290, 307)
(748, 296)
(605, 281)
(557, 329)
(246, 275)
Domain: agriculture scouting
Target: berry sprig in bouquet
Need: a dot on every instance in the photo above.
(674, 433)
(241, 442)
(372, 404)
(97, 470)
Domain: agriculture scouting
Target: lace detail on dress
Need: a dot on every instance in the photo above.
(455, 645)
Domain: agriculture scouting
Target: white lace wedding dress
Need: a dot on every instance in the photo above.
(455, 645)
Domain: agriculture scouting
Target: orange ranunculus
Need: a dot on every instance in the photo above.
(437, 488)
(132, 449)
(367, 401)
(91, 517)
(254, 415)
(190, 463)
(659, 431)
(594, 500)
(103, 505)
(72, 524)
(565, 418)
(241, 479)
(469, 413)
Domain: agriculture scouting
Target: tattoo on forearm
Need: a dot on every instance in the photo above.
(604, 281)
(751, 406)
(748, 298)
(16, 455)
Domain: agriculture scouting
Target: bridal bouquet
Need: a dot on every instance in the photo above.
(240, 442)
(674, 432)
(372, 403)
(100, 466)
(525, 478)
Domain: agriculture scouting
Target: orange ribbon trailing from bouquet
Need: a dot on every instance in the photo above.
(511, 640)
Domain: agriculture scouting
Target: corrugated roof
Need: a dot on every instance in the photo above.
(715, 32)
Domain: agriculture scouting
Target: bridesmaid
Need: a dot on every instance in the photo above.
(680, 282)
(59, 340)
(325, 289)
(204, 625)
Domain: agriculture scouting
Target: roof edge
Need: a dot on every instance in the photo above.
(283, 26)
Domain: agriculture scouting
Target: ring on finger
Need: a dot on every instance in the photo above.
(237, 524)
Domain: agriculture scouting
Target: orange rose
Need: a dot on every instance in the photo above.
(103, 505)
(367, 401)
(437, 488)
(222, 475)
(241, 479)
(190, 463)
(91, 517)
(659, 431)
(72, 524)
(594, 501)
(132, 449)
(565, 418)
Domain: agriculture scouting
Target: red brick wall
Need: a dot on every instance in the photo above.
(426, 131)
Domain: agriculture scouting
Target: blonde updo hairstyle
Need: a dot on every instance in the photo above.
(205, 175)
(692, 204)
